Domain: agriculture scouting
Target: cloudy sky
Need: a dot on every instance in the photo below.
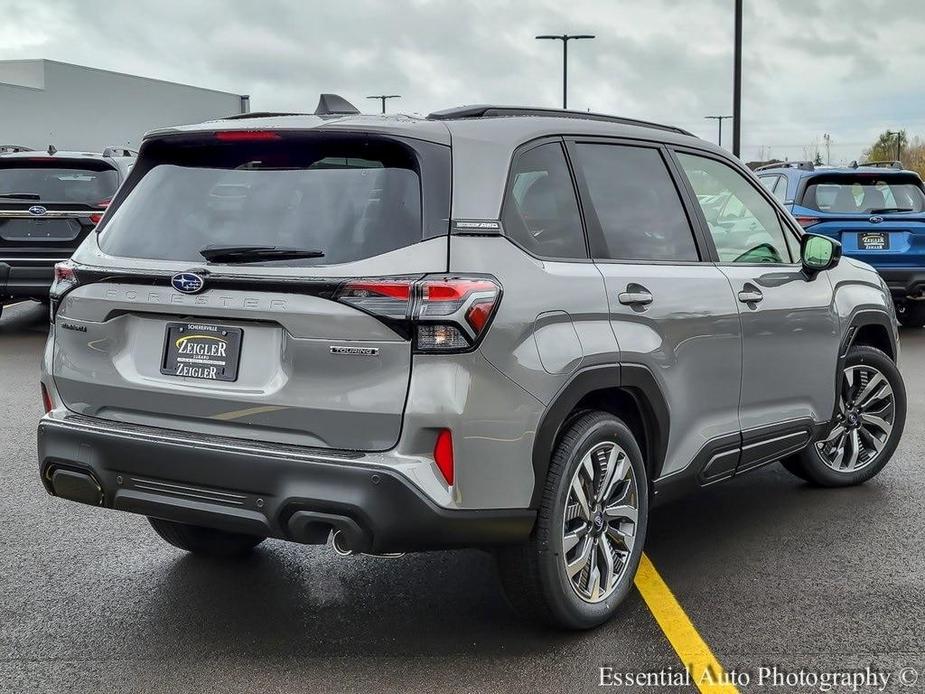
(851, 68)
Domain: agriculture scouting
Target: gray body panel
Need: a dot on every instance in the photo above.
(721, 366)
(689, 338)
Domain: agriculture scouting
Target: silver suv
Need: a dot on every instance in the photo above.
(490, 327)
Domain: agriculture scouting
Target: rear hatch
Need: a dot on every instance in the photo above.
(48, 204)
(182, 318)
(879, 217)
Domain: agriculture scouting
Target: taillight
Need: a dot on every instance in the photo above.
(96, 217)
(46, 399)
(807, 222)
(442, 313)
(65, 280)
(443, 455)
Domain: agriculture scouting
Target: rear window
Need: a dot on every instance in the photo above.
(351, 198)
(864, 193)
(56, 183)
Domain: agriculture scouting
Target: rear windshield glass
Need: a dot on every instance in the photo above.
(350, 199)
(57, 184)
(864, 194)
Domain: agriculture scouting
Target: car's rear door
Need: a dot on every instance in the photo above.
(672, 311)
(312, 351)
(790, 330)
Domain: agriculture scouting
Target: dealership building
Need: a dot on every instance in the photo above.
(45, 102)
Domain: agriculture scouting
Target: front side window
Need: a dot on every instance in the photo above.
(637, 204)
(540, 210)
(745, 227)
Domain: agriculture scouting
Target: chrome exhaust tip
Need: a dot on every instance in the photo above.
(337, 542)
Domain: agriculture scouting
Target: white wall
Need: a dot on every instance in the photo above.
(82, 108)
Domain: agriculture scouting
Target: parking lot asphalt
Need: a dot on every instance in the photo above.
(771, 571)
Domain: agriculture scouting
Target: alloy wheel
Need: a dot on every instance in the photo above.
(863, 423)
(599, 526)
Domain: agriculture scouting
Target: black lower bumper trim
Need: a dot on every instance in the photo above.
(26, 281)
(904, 282)
(268, 494)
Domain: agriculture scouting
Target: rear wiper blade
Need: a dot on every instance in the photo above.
(881, 210)
(256, 254)
(22, 196)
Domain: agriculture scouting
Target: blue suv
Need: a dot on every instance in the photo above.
(876, 210)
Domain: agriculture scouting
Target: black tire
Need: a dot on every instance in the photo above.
(207, 542)
(808, 465)
(912, 314)
(533, 574)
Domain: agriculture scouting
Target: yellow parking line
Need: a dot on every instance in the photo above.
(705, 671)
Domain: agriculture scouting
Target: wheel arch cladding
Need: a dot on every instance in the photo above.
(628, 391)
(871, 328)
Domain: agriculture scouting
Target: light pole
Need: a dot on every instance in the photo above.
(737, 84)
(565, 38)
(383, 97)
(719, 120)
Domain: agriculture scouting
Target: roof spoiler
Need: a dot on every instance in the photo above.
(120, 152)
(334, 105)
(890, 164)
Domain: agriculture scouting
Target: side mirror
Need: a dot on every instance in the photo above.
(819, 253)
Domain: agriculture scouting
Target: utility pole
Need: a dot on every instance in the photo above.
(383, 97)
(737, 83)
(719, 120)
(899, 144)
(828, 149)
(565, 38)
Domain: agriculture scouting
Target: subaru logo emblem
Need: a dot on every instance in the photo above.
(875, 220)
(187, 282)
(37, 210)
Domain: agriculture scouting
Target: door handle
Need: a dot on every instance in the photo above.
(750, 295)
(639, 296)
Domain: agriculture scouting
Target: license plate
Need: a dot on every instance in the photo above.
(201, 350)
(873, 241)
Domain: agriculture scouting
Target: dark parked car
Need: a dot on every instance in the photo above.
(49, 202)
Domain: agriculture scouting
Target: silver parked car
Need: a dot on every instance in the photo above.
(492, 327)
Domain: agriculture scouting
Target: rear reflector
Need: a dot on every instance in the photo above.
(443, 454)
(246, 135)
(46, 400)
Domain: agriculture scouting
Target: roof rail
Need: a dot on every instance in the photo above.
(802, 165)
(120, 152)
(489, 111)
(891, 164)
(7, 149)
(260, 114)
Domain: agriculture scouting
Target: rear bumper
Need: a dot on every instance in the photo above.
(26, 281)
(285, 492)
(904, 282)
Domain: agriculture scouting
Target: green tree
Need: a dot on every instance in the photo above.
(884, 149)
